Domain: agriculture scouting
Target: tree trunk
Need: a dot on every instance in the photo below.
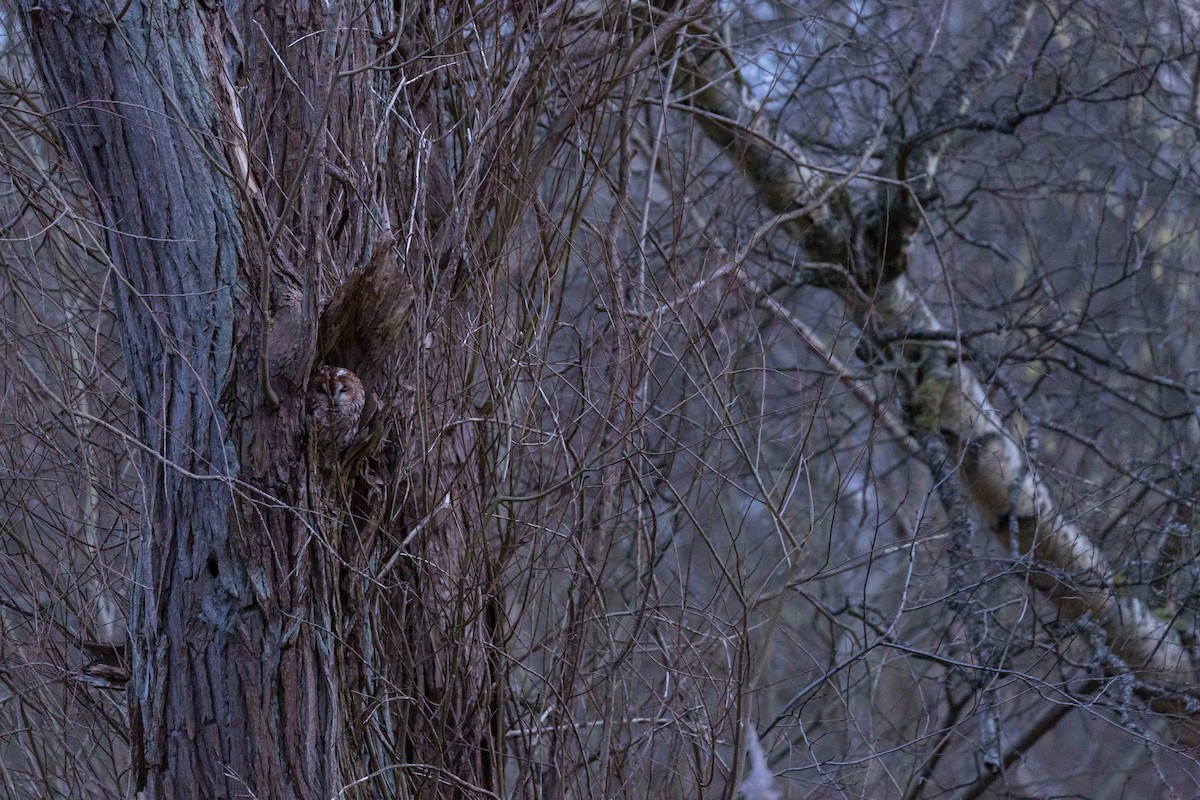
(235, 691)
(263, 661)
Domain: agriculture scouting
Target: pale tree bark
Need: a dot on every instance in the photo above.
(947, 406)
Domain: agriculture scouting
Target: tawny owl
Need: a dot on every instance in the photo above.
(335, 402)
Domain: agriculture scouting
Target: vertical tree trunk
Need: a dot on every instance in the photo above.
(284, 184)
(298, 631)
(235, 692)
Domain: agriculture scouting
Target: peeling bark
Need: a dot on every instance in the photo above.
(232, 690)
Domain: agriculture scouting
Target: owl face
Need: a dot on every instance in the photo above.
(335, 403)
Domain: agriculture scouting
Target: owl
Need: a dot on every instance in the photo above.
(335, 402)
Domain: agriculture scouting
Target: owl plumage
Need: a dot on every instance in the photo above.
(335, 403)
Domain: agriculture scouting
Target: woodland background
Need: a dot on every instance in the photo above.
(821, 369)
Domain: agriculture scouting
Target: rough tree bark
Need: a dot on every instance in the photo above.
(208, 149)
(285, 184)
(229, 647)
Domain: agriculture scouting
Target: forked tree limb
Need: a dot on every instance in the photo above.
(946, 397)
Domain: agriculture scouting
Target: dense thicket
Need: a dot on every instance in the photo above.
(821, 374)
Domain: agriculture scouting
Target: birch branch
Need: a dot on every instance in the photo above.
(945, 395)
